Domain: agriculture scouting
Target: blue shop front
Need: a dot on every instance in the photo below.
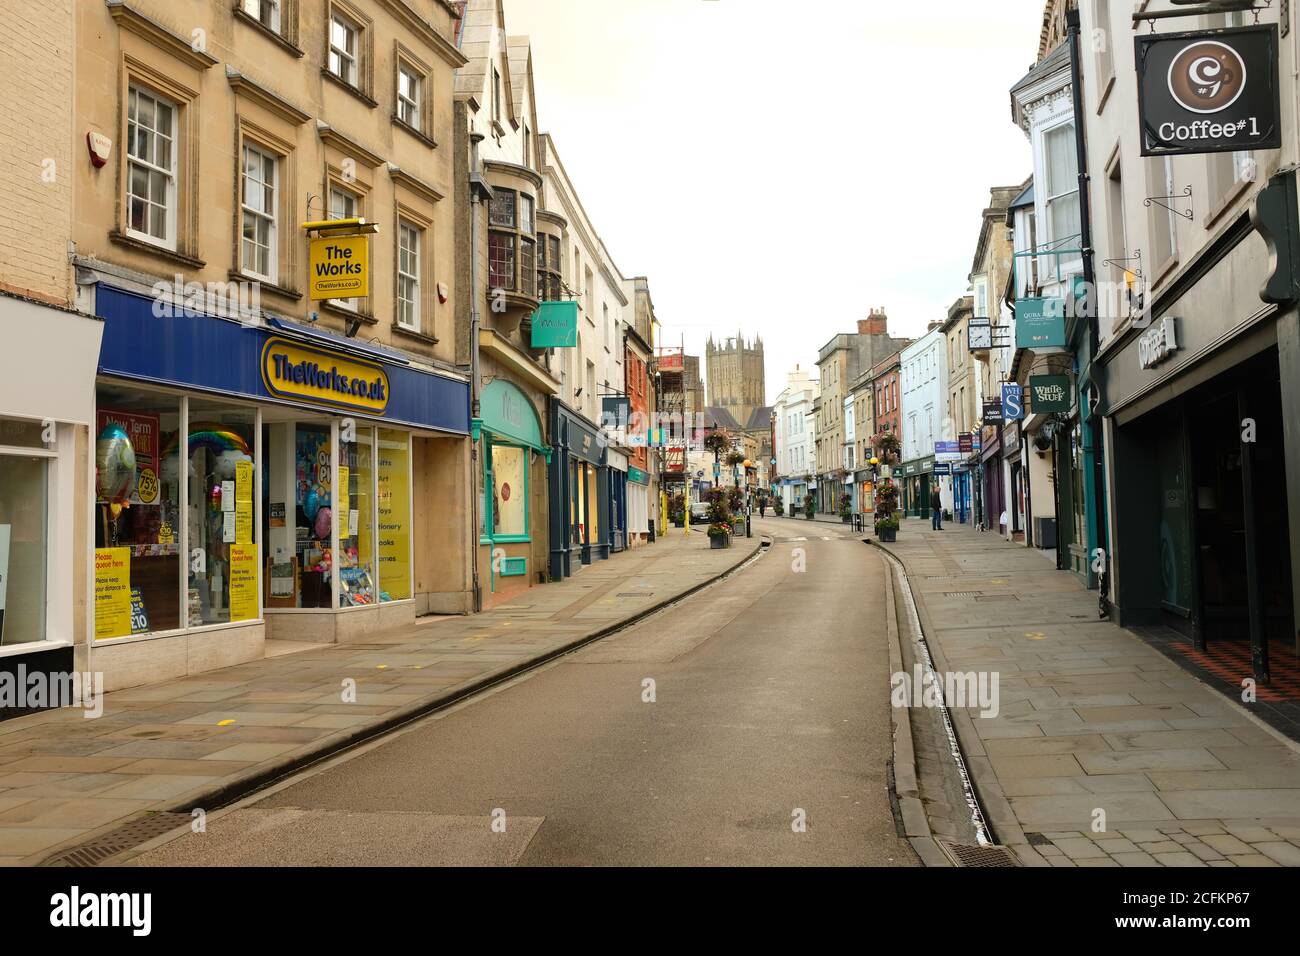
(580, 487)
(263, 479)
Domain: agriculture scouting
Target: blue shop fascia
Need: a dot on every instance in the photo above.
(259, 478)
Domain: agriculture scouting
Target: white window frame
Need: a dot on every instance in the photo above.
(271, 217)
(265, 12)
(412, 104)
(347, 58)
(348, 304)
(406, 276)
(1055, 267)
(135, 92)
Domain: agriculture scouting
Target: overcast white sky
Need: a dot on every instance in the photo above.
(783, 166)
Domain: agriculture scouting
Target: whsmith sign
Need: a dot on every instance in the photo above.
(1209, 91)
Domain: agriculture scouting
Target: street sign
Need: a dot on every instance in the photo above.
(339, 267)
(555, 326)
(1209, 91)
(965, 444)
(1049, 393)
(943, 468)
(1040, 323)
(1013, 402)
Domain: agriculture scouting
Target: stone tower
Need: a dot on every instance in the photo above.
(735, 375)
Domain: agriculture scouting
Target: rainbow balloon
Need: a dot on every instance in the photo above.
(214, 437)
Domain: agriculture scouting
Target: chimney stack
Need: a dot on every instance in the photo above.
(877, 323)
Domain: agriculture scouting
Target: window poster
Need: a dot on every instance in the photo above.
(244, 502)
(112, 592)
(243, 582)
(394, 517)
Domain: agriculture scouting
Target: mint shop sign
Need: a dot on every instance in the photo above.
(1209, 91)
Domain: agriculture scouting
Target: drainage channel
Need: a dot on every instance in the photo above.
(962, 854)
(155, 824)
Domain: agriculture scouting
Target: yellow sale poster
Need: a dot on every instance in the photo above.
(394, 516)
(112, 592)
(243, 582)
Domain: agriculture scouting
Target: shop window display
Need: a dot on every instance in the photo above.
(394, 504)
(137, 513)
(356, 520)
(509, 492)
(223, 577)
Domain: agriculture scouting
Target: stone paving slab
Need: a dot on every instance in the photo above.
(204, 740)
(1094, 726)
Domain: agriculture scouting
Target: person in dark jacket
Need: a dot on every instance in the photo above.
(936, 509)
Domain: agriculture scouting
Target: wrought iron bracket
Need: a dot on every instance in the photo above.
(1136, 257)
(1160, 201)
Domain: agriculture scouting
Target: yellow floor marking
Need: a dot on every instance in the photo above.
(225, 723)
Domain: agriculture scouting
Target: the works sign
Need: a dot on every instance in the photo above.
(308, 374)
(1209, 91)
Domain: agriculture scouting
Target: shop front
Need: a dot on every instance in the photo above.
(514, 459)
(617, 520)
(254, 482)
(579, 493)
(44, 452)
(916, 481)
(990, 469)
(1204, 454)
(865, 492)
(639, 514)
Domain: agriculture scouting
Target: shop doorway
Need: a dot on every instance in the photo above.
(1239, 516)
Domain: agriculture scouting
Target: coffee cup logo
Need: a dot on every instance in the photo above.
(1207, 77)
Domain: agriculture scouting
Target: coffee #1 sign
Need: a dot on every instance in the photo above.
(1209, 91)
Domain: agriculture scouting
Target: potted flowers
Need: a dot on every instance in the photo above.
(677, 510)
(886, 504)
(720, 521)
(846, 508)
(809, 506)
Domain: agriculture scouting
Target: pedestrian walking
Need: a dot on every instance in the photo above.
(936, 510)
(762, 507)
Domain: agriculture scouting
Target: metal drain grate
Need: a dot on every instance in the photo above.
(998, 597)
(969, 854)
(962, 595)
(123, 838)
(635, 594)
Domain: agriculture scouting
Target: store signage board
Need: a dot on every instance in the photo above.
(339, 268)
(1158, 342)
(943, 468)
(1209, 91)
(1013, 402)
(305, 373)
(555, 326)
(1040, 324)
(993, 412)
(947, 449)
(1049, 393)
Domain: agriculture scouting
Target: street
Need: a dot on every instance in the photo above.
(770, 711)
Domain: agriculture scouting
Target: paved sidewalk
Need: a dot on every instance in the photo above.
(1094, 721)
(204, 740)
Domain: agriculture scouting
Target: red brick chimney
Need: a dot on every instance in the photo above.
(875, 324)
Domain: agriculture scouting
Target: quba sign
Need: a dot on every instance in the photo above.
(1209, 91)
(340, 267)
(307, 374)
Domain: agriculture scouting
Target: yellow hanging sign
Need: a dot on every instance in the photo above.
(340, 267)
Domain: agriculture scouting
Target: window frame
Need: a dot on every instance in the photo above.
(353, 58)
(490, 441)
(136, 89)
(273, 242)
(405, 226)
(276, 27)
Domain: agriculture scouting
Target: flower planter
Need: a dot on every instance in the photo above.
(717, 541)
(845, 519)
(888, 535)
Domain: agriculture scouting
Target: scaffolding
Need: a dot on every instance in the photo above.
(670, 434)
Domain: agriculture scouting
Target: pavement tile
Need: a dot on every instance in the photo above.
(1226, 843)
(1161, 846)
(1182, 858)
(1134, 859)
(1251, 859)
(1203, 852)
(1286, 854)
(1080, 848)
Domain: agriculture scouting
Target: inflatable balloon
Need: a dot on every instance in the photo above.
(311, 505)
(324, 521)
(114, 465)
